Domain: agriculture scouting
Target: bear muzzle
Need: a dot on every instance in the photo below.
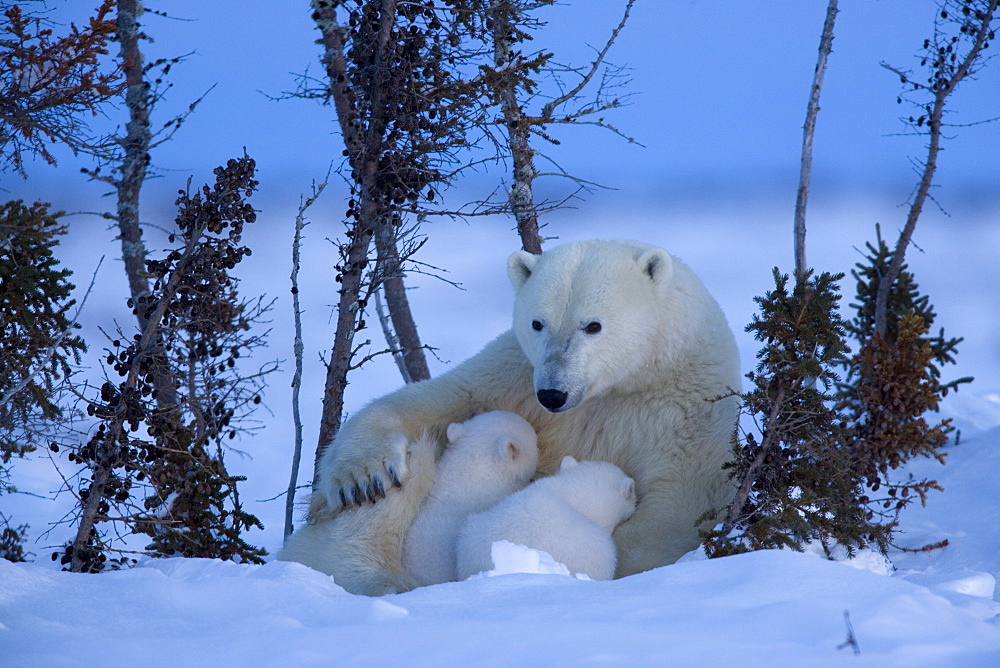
(552, 400)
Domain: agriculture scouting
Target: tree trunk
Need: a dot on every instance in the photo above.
(363, 150)
(134, 163)
(135, 146)
(521, 195)
(411, 350)
(135, 160)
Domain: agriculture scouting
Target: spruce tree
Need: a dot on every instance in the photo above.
(795, 483)
(891, 384)
(37, 344)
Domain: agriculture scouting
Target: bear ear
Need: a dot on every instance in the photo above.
(657, 264)
(628, 488)
(455, 431)
(519, 267)
(568, 462)
(512, 450)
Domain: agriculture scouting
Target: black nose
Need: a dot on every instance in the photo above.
(553, 400)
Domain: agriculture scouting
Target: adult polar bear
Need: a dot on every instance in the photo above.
(617, 353)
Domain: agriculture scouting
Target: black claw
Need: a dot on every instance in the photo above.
(392, 474)
(379, 487)
(343, 499)
(369, 492)
(356, 495)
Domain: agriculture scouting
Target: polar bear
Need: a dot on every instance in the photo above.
(617, 353)
(569, 515)
(487, 458)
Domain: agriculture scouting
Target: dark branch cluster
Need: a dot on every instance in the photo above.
(962, 28)
(405, 97)
(197, 328)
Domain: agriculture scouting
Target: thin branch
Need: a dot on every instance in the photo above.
(767, 443)
(298, 349)
(942, 87)
(390, 339)
(808, 131)
(594, 67)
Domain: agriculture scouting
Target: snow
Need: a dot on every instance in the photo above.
(937, 608)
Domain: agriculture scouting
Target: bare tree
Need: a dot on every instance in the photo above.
(297, 352)
(948, 66)
(808, 131)
(390, 73)
(512, 82)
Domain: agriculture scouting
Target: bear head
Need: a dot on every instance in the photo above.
(589, 316)
(496, 439)
(599, 490)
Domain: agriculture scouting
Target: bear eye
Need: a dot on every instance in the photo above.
(536, 325)
(592, 327)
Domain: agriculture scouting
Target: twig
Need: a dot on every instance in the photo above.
(852, 640)
(298, 348)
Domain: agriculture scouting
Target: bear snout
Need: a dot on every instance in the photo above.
(552, 400)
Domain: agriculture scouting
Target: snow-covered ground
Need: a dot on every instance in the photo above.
(760, 609)
(939, 608)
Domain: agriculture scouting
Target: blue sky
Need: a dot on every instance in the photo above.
(719, 92)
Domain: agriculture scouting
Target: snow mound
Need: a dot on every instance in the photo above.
(863, 560)
(509, 558)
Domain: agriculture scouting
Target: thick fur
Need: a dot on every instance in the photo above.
(330, 544)
(642, 393)
(570, 515)
(487, 458)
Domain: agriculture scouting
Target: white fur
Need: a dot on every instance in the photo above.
(488, 457)
(329, 544)
(569, 515)
(640, 394)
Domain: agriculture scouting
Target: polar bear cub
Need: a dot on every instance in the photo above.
(488, 458)
(569, 515)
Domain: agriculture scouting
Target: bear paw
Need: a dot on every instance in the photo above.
(355, 482)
